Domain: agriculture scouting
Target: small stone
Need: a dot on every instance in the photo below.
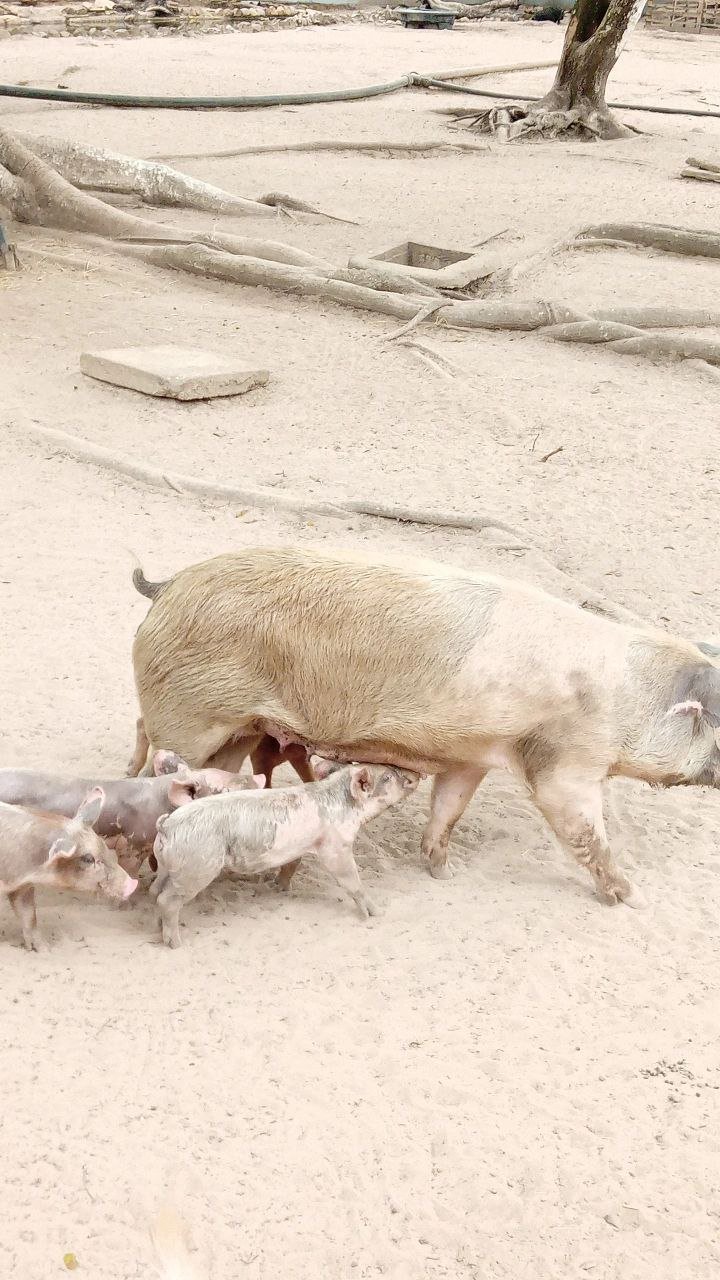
(174, 372)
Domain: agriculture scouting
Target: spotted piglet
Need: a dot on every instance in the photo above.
(257, 831)
(38, 848)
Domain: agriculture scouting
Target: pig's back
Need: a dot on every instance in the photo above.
(338, 648)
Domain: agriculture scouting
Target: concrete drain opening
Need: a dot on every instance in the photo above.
(429, 256)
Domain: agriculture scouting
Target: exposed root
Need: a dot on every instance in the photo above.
(276, 200)
(650, 235)
(199, 260)
(431, 359)
(431, 147)
(83, 451)
(513, 122)
(423, 314)
(47, 183)
(92, 167)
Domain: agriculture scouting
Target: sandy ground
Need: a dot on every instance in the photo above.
(500, 1078)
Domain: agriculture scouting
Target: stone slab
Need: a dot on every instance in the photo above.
(176, 372)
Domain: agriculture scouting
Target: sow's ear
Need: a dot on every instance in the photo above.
(712, 650)
(700, 696)
(91, 807)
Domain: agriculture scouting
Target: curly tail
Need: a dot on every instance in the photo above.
(150, 589)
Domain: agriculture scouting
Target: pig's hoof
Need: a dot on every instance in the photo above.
(37, 944)
(441, 871)
(173, 941)
(635, 899)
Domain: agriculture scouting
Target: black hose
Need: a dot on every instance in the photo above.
(195, 104)
(302, 99)
(523, 97)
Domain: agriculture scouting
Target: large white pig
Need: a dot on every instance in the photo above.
(429, 668)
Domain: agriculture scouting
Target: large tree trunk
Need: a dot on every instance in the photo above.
(590, 51)
(576, 103)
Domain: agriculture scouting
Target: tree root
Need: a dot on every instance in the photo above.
(709, 165)
(702, 170)
(701, 175)
(156, 184)
(650, 235)
(431, 147)
(265, 498)
(50, 177)
(539, 120)
(83, 451)
(202, 261)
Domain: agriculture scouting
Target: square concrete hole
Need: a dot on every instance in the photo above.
(413, 254)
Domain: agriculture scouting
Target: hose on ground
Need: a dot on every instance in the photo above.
(304, 99)
(426, 81)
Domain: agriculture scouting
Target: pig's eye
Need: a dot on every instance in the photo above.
(87, 860)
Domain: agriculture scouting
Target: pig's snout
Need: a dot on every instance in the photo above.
(119, 884)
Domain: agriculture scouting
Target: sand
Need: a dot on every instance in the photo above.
(501, 1077)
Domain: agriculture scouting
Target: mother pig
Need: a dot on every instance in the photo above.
(433, 669)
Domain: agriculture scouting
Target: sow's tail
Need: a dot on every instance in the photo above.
(150, 589)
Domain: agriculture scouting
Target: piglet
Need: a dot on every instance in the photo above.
(39, 848)
(262, 830)
(131, 806)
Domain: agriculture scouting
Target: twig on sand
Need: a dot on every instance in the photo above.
(547, 456)
(423, 314)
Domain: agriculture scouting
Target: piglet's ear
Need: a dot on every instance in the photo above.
(167, 762)
(91, 807)
(60, 850)
(259, 780)
(361, 783)
(180, 793)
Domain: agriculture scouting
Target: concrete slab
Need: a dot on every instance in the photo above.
(176, 372)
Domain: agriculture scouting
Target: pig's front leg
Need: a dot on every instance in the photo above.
(22, 902)
(338, 858)
(452, 792)
(140, 754)
(286, 873)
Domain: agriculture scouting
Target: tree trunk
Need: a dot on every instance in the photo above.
(576, 103)
(592, 44)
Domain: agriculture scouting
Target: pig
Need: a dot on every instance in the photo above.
(39, 848)
(267, 754)
(130, 808)
(264, 830)
(435, 669)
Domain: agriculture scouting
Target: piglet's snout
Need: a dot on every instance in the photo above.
(119, 884)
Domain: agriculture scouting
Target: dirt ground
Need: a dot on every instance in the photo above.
(502, 1077)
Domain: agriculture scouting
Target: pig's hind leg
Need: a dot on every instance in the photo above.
(452, 792)
(178, 887)
(339, 860)
(22, 902)
(573, 806)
